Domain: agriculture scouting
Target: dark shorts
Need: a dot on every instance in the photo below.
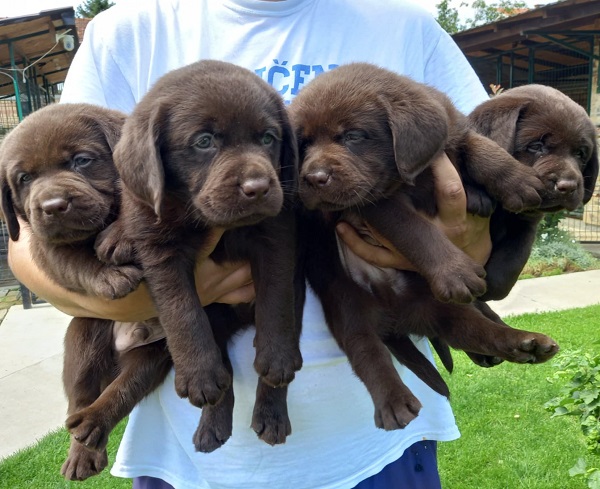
(416, 469)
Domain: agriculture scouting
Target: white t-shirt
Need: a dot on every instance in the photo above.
(334, 443)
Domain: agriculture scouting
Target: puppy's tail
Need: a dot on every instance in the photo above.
(409, 355)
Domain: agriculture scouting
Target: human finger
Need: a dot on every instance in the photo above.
(218, 282)
(449, 192)
(384, 256)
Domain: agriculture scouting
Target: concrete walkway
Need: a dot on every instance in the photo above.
(32, 402)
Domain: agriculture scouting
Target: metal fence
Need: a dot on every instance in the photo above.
(32, 97)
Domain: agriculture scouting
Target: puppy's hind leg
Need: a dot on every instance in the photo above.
(142, 370)
(216, 421)
(88, 365)
(466, 328)
(354, 323)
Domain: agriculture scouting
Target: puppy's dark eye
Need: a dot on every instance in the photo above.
(82, 160)
(268, 138)
(582, 154)
(354, 136)
(24, 177)
(204, 141)
(537, 147)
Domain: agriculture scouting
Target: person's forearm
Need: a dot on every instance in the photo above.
(229, 283)
(137, 306)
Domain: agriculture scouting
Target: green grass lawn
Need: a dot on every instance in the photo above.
(508, 440)
(38, 467)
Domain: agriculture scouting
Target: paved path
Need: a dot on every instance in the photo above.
(32, 402)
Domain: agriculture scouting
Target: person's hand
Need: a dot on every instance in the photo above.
(229, 283)
(468, 232)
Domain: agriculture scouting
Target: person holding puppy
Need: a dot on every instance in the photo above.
(334, 443)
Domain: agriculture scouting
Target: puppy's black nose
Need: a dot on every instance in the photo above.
(566, 186)
(319, 178)
(57, 205)
(255, 188)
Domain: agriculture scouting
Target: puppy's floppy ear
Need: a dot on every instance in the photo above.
(590, 175)
(419, 132)
(497, 119)
(289, 154)
(137, 155)
(110, 123)
(8, 211)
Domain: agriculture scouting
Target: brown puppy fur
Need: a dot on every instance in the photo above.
(57, 175)
(366, 138)
(210, 145)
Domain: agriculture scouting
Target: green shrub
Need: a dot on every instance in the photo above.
(580, 397)
(555, 251)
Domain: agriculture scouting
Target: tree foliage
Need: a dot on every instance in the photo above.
(90, 8)
(483, 13)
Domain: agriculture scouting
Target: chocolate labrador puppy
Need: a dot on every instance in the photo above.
(210, 146)
(546, 130)
(366, 139)
(57, 175)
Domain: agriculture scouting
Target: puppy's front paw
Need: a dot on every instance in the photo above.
(276, 364)
(461, 281)
(520, 346)
(114, 282)
(203, 386)
(113, 248)
(479, 203)
(88, 429)
(535, 348)
(522, 190)
(83, 463)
